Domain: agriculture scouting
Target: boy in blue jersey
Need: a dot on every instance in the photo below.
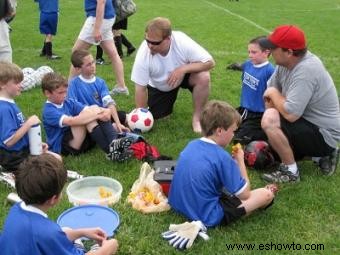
(14, 144)
(48, 25)
(27, 229)
(72, 128)
(209, 184)
(256, 71)
(91, 90)
(97, 30)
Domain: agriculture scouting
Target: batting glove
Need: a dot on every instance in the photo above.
(182, 236)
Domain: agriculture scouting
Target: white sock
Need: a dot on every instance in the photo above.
(293, 168)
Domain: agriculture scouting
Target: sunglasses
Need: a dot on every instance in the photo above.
(153, 42)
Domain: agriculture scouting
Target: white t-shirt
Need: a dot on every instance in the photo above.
(154, 70)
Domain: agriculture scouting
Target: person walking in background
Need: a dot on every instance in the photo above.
(166, 61)
(302, 116)
(7, 11)
(119, 39)
(48, 25)
(97, 30)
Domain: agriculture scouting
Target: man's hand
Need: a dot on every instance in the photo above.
(176, 77)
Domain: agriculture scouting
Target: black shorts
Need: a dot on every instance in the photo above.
(250, 128)
(10, 160)
(305, 139)
(161, 103)
(232, 211)
(121, 117)
(122, 24)
(66, 149)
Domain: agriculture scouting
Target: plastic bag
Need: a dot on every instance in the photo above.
(146, 194)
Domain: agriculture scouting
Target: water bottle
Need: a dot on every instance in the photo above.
(34, 137)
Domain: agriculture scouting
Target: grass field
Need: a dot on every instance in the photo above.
(304, 213)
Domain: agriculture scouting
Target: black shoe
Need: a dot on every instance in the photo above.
(328, 164)
(53, 57)
(100, 61)
(130, 50)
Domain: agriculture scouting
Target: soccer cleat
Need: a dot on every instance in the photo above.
(130, 50)
(328, 164)
(282, 175)
(119, 149)
(100, 61)
(53, 57)
(119, 90)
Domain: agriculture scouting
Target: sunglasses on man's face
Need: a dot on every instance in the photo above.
(153, 42)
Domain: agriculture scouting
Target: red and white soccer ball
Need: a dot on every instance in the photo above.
(140, 120)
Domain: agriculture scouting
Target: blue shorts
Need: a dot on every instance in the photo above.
(48, 23)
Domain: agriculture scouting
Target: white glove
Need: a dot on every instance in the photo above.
(182, 236)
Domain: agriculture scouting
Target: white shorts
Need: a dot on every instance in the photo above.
(5, 44)
(86, 33)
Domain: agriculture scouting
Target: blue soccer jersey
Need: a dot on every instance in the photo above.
(89, 92)
(53, 116)
(254, 83)
(202, 171)
(27, 230)
(48, 6)
(91, 6)
(11, 119)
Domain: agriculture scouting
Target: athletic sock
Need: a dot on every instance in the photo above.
(101, 140)
(108, 130)
(293, 168)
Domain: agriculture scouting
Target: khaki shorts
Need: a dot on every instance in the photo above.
(86, 33)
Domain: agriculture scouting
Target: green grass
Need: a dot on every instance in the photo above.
(305, 213)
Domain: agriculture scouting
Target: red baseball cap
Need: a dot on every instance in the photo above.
(286, 36)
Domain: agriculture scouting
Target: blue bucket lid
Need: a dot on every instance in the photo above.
(90, 216)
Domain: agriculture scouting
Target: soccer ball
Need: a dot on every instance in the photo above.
(28, 82)
(40, 73)
(140, 120)
(27, 71)
(258, 155)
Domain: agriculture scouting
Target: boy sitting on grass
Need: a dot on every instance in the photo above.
(91, 90)
(14, 143)
(27, 229)
(71, 127)
(209, 184)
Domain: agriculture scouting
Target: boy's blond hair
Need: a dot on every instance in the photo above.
(159, 25)
(218, 114)
(10, 71)
(52, 81)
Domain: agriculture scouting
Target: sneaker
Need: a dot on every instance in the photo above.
(100, 61)
(119, 90)
(8, 179)
(282, 175)
(329, 163)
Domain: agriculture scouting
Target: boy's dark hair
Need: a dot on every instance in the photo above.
(78, 56)
(39, 178)
(259, 41)
(52, 81)
(10, 71)
(218, 114)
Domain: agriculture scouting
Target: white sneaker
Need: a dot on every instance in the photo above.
(119, 90)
